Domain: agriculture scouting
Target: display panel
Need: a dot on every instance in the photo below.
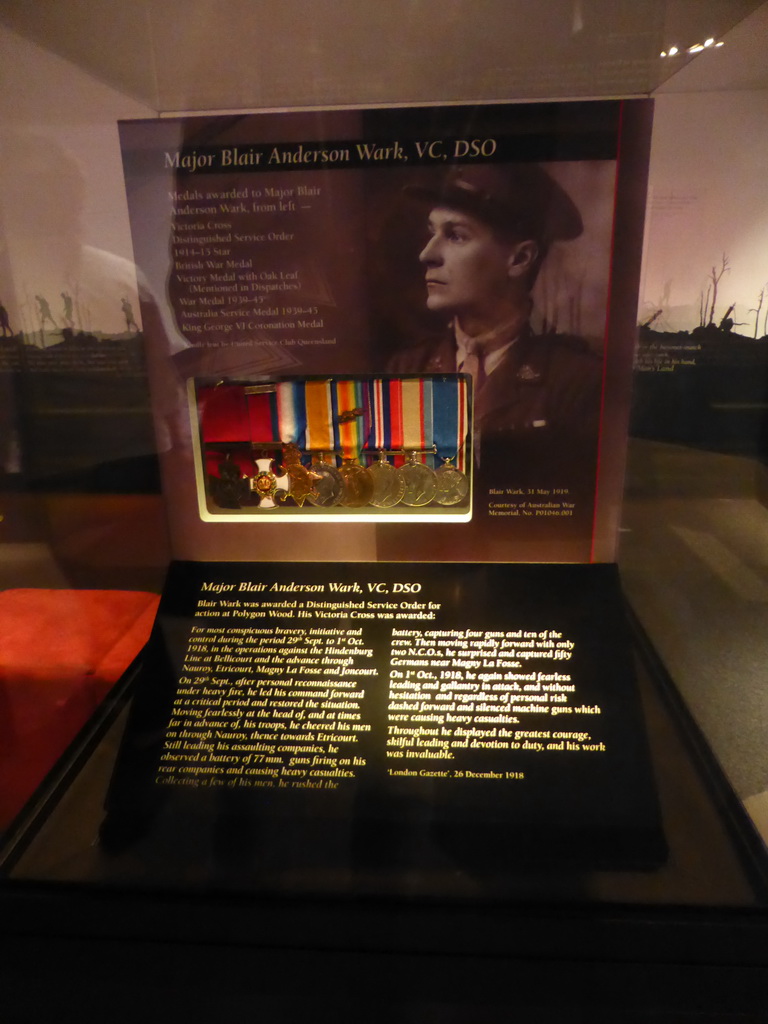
(333, 448)
(407, 242)
(390, 713)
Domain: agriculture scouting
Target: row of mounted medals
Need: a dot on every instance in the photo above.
(325, 485)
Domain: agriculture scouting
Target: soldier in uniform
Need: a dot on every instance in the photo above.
(536, 397)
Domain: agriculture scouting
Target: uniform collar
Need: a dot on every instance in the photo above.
(493, 344)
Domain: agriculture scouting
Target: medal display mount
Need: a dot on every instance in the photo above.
(333, 449)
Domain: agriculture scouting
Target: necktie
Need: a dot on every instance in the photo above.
(474, 363)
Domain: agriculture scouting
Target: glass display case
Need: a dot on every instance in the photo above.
(276, 729)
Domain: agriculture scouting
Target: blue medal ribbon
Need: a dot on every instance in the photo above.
(450, 421)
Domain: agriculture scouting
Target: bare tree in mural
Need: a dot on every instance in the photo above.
(756, 309)
(715, 275)
(704, 305)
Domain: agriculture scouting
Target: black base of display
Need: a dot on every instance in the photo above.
(687, 937)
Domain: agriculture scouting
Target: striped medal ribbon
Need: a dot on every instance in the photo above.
(267, 486)
(352, 418)
(450, 424)
(292, 430)
(385, 436)
(322, 439)
(418, 431)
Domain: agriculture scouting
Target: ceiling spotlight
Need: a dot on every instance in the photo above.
(709, 42)
(663, 53)
(696, 48)
(721, 43)
(672, 51)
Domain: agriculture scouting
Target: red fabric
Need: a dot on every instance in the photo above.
(224, 414)
(260, 417)
(60, 653)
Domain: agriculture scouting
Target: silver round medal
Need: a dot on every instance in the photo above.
(388, 483)
(420, 482)
(452, 485)
(328, 486)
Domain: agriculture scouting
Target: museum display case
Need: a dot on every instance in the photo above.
(370, 604)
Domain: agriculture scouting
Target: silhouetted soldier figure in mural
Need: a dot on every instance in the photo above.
(45, 312)
(68, 318)
(128, 314)
(5, 322)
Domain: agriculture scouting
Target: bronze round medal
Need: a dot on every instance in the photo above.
(328, 487)
(388, 483)
(420, 483)
(358, 485)
(452, 485)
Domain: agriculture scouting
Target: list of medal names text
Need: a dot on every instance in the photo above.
(234, 266)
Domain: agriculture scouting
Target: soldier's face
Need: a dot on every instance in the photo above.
(467, 267)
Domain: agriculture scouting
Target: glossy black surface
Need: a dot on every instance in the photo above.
(432, 832)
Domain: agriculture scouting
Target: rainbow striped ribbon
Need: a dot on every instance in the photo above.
(351, 415)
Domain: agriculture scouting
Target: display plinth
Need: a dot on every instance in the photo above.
(427, 295)
(337, 728)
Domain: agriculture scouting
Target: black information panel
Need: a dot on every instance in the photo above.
(365, 725)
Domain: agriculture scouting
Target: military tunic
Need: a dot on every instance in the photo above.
(537, 415)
